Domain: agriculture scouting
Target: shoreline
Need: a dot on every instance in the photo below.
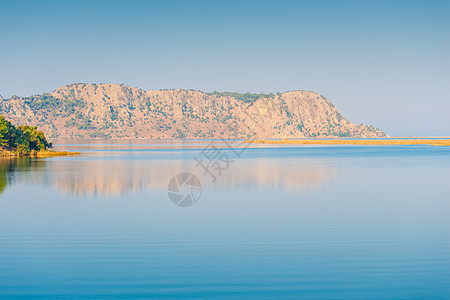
(432, 141)
(40, 154)
(363, 142)
(270, 139)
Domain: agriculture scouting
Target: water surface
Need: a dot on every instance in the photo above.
(295, 221)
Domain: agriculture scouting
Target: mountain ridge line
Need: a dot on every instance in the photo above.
(83, 110)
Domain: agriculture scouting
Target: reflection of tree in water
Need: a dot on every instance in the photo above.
(10, 166)
(3, 176)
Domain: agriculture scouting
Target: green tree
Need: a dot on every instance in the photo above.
(32, 140)
(23, 139)
(8, 133)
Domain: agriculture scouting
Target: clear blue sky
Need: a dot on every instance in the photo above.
(385, 63)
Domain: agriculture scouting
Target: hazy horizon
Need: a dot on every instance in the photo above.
(381, 63)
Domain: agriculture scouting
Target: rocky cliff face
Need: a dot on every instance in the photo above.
(119, 111)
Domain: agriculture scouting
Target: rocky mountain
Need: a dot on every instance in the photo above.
(119, 111)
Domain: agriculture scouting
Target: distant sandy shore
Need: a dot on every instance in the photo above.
(46, 153)
(406, 141)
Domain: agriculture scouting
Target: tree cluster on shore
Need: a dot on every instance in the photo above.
(21, 140)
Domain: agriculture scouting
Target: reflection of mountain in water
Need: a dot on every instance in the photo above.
(105, 177)
(115, 177)
(119, 177)
(295, 175)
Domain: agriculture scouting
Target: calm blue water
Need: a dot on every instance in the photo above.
(348, 222)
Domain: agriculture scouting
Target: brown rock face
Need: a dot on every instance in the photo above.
(119, 111)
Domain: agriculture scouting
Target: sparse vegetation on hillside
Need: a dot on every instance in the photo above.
(244, 97)
(119, 111)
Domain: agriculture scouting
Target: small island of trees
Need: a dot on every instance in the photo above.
(23, 140)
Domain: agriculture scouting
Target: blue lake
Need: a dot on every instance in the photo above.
(312, 222)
